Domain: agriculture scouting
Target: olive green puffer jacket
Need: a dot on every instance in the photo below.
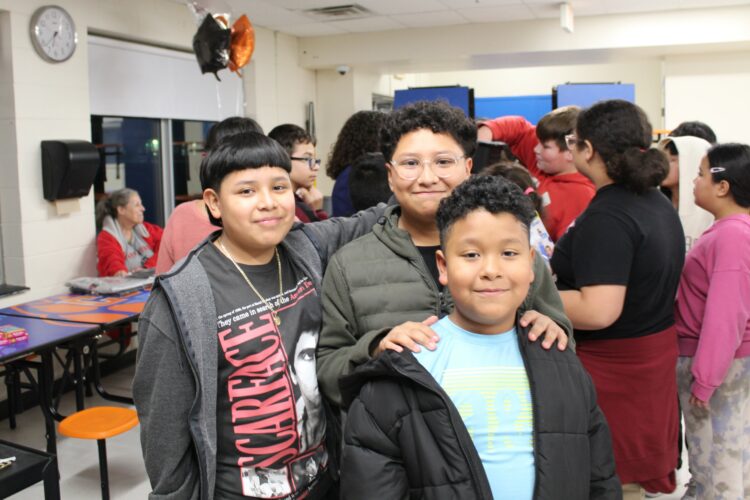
(379, 281)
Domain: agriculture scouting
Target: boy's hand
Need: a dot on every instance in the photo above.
(312, 196)
(411, 335)
(542, 324)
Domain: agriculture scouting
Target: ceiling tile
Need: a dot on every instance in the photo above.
(266, 14)
(497, 14)
(309, 29)
(427, 19)
(391, 7)
(460, 4)
(551, 10)
(378, 23)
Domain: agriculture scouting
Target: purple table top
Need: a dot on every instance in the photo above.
(43, 334)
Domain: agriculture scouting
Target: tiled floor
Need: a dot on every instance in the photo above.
(79, 464)
(78, 459)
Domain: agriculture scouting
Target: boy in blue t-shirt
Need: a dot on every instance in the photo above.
(487, 414)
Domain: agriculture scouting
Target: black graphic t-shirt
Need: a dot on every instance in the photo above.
(270, 422)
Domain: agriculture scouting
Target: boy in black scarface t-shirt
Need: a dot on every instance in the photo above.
(225, 383)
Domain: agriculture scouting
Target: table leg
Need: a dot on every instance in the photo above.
(97, 378)
(51, 478)
(45, 378)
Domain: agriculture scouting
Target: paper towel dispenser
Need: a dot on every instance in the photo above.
(68, 168)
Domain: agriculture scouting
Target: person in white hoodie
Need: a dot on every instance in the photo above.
(685, 154)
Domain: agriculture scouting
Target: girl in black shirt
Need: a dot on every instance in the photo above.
(617, 269)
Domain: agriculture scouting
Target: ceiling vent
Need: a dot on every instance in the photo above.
(338, 12)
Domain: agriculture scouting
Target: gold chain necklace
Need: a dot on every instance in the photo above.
(274, 315)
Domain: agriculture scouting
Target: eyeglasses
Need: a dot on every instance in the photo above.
(310, 161)
(443, 166)
(572, 140)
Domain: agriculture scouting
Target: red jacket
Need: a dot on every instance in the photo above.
(305, 212)
(110, 257)
(567, 195)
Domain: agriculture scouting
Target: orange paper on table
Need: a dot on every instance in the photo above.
(242, 44)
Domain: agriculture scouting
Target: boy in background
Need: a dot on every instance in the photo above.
(542, 149)
(300, 146)
(487, 414)
(382, 290)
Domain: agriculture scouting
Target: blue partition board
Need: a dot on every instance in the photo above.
(586, 94)
(456, 96)
(531, 107)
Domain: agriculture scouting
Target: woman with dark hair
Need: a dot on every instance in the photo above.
(617, 271)
(360, 134)
(126, 243)
(713, 328)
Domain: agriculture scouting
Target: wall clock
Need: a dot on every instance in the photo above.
(53, 33)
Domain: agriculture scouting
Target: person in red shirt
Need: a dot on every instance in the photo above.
(126, 243)
(542, 149)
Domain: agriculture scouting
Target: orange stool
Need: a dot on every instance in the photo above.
(100, 423)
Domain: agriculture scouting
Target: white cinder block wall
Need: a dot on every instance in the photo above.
(39, 101)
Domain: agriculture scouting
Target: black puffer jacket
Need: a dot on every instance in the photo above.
(404, 438)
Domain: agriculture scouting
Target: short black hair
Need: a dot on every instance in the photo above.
(483, 192)
(289, 135)
(228, 127)
(437, 116)
(734, 159)
(695, 129)
(368, 182)
(240, 152)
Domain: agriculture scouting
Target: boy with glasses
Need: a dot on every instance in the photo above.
(487, 414)
(544, 152)
(301, 149)
(382, 291)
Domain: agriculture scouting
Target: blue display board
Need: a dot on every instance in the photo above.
(462, 97)
(531, 107)
(586, 94)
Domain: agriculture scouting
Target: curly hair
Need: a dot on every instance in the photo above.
(619, 131)
(734, 159)
(359, 135)
(437, 116)
(483, 192)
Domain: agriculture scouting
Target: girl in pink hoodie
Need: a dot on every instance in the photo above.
(713, 325)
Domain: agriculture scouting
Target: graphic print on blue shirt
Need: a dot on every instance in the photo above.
(485, 377)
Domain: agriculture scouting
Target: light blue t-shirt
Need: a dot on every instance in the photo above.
(485, 378)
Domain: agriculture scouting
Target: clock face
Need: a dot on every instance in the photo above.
(53, 33)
